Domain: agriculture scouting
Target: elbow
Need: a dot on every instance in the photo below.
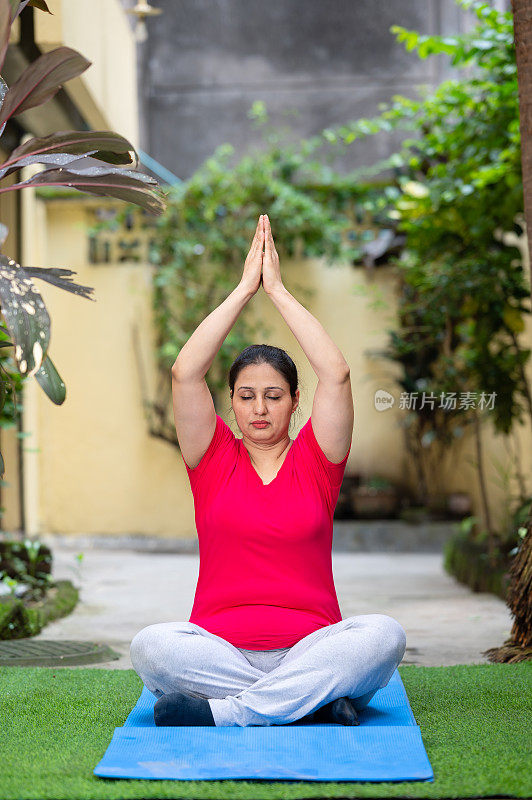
(338, 374)
(181, 373)
(177, 370)
(344, 373)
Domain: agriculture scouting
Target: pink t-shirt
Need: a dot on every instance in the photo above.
(265, 578)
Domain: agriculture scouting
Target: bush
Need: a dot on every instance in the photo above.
(20, 621)
(468, 561)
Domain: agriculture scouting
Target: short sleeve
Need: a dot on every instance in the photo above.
(222, 439)
(334, 471)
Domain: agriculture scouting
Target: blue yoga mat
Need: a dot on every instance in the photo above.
(386, 746)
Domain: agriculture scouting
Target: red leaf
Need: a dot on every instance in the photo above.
(42, 80)
(127, 185)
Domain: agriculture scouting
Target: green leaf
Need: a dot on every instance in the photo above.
(51, 382)
(59, 277)
(25, 314)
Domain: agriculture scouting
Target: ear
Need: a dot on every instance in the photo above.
(295, 401)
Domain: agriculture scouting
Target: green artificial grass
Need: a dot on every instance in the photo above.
(57, 723)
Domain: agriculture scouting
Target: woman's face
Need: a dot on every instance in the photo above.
(263, 393)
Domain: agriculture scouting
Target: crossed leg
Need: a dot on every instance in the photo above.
(182, 656)
(354, 657)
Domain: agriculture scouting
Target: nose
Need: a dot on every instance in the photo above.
(260, 405)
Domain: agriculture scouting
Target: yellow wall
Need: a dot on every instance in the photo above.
(9, 443)
(106, 93)
(90, 465)
(97, 469)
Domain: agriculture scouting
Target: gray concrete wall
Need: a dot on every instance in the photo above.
(313, 63)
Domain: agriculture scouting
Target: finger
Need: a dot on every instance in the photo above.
(257, 230)
(257, 237)
(260, 240)
(261, 233)
(269, 231)
(270, 237)
(267, 234)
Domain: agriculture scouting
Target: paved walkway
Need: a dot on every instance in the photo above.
(122, 591)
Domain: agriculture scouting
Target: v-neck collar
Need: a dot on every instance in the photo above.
(247, 455)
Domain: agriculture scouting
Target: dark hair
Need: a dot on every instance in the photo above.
(265, 354)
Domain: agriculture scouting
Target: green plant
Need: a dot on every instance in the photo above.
(465, 526)
(522, 513)
(377, 482)
(12, 584)
(77, 567)
(198, 244)
(469, 561)
(28, 562)
(24, 617)
(521, 533)
(33, 550)
(69, 155)
(467, 557)
(463, 291)
(455, 187)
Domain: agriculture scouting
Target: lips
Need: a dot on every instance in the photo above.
(260, 424)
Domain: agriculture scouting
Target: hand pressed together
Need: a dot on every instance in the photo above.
(262, 261)
(271, 271)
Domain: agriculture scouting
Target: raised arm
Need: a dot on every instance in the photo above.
(332, 409)
(194, 413)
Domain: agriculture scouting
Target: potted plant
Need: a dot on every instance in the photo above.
(375, 498)
(459, 504)
(344, 505)
(29, 597)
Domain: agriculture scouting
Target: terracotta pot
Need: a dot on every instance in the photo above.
(370, 503)
(459, 504)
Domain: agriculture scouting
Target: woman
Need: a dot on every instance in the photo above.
(265, 643)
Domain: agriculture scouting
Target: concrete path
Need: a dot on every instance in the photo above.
(122, 591)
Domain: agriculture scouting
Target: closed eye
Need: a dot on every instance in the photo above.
(267, 397)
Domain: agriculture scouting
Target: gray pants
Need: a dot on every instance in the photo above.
(351, 658)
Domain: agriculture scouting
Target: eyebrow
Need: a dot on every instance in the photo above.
(266, 388)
